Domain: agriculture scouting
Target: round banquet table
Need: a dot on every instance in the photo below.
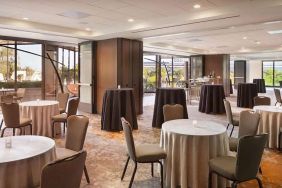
(21, 165)
(270, 122)
(246, 94)
(40, 112)
(211, 99)
(118, 103)
(167, 96)
(189, 149)
(260, 85)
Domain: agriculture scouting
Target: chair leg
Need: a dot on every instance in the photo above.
(30, 129)
(210, 179)
(14, 131)
(234, 185)
(152, 169)
(1, 123)
(53, 129)
(259, 182)
(64, 127)
(227, 126)
(124, 170)
(162, 174)
(132, 177)
(2, 134)
(86, 174)
(232, 130)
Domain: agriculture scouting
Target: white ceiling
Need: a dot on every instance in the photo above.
(173, 26)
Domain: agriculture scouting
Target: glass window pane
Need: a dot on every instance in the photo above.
(7, 64)
(149, 73)
(268, 72)
(179, 69)
(277, 72)
(166, 71)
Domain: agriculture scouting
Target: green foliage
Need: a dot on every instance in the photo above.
(24, 84)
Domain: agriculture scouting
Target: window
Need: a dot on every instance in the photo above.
(149, 73)
(272, 72)
(7, 64)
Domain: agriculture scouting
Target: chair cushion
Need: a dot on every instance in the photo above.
(60, 117)
(25, 121)
(62, 110)
(149, 153)
(224, 166)
(64, 152)
(233, 144)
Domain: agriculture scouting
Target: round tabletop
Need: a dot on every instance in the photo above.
(267, 108)
(24, 147)
(186, 127)
(39, 103)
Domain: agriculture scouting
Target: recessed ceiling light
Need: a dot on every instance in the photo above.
(197, 6)
(87, 29)
(274, 32)
(130, 20)
(257, 42)
(25, 18)
(245, 38)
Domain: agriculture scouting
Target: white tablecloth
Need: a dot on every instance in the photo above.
(270, 122)
(189, 149)
(40, 112)
(21, 165)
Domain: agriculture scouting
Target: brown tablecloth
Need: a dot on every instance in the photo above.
(246, 94)
(118, 103)
(231, 88)
(260, 85)
(211, 99)
(167, 96)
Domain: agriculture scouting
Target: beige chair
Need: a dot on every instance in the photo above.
(172, 112)
(249, 122)
(278, 96)
(145, 153)
(245, 166)
(63, 101)
(231, 121)
(19, 94)
(76, 132)
(6, 99)
(64, 173)
(261, 100)
(62, 118)
(12, 119)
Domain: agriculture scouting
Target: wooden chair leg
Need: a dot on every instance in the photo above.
(20, 131)
(125, 167)
(152, 169)
(259, 182)
(162, 174)
(86, 174)
(53, 129)
(132, 177)
(64, 127)
(2, 134)
(227, 126)
(232, 130)
(30, 129)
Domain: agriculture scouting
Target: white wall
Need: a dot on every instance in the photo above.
(253, 70)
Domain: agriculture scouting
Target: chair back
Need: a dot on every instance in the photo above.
(20, 92)
(63, 100)
(7, 99)
(64, 173)
(72, 106)
(172, 112)
(129, 139)
(261, 100)
(249, 154)
(11, 114)
(228, 110)
(277, 95)
(249, 122)
(76, 132)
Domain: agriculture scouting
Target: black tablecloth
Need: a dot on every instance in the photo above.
(211, 99)
(167, 96)
(246, 94)
(260, 85)
(231, 88)
(118, 103)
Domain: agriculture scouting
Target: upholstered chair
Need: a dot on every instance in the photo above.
(12, 119)
(6, 99)
(62, 118)
(145, 153)
(64, 173)
(63, 98)
(278, 96)
(20, 93)
(75, 137)
(173, 111)
(231, 120)
(261, 100)
(245, 165)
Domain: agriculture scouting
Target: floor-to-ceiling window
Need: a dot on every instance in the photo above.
(149, 73)
(7, 64)
(272, 72)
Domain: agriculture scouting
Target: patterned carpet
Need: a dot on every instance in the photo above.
(106, 154)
